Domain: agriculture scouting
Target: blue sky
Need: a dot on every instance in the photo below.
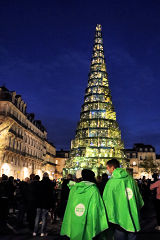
(45, 52)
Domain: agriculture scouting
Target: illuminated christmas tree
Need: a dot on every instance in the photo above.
(98, 137)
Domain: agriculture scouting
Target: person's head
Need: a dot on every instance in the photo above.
(143, 178)
(36, 178)
(11, 179)
(112, 165)
(32, 175)
(88, 175)
(4, 178)
(45, 175)
(155, 176)
(79, 175)
(26, 179)
(99, 179)
(104, 177)
(69, 176)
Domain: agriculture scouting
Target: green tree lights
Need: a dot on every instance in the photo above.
(98, 137)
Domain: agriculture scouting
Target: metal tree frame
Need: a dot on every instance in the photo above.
(98, 137)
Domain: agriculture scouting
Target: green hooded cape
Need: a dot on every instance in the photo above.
(85, 215)
(123, 200)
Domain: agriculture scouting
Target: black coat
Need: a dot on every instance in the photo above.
(32, 194)
(45, 194)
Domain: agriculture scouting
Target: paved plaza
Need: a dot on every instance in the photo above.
(148, 223)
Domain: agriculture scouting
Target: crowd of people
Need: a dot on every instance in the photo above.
(30, 199)
(102, 208)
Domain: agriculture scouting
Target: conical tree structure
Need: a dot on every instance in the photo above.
(98, 137)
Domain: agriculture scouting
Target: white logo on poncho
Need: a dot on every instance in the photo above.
(79, 210)
(129, 193)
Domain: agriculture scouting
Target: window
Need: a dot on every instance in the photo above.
(128, 155)
(13, 143)
(9, 141)
(134, 155)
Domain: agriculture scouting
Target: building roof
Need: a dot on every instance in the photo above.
(7, 95)
(140, 147)
(4, 88)
(50, 143)
(137, 146)
(62, 154)
(50, 163)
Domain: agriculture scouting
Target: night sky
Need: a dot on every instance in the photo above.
(45, 52)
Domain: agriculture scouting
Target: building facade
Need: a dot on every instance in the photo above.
(24, 148)
(49, 164)
(143, 155)
(61, 160)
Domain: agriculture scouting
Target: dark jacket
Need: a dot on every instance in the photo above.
(31, 194)
(44, 193)
(4, 189)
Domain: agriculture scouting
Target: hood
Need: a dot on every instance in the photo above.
(83, 186)
(71, 184)
(119, 173)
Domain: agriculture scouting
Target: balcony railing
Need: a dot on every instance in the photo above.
(15, 133)
(7, 114)
(8, 148)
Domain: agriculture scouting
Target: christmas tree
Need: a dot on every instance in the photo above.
(98, 137)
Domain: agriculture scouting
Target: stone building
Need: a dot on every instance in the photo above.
(49, 164)
(137, 155)
(61, 159)
(24, 148)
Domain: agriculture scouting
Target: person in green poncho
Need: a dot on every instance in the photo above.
(123, 202)
(85, 215)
